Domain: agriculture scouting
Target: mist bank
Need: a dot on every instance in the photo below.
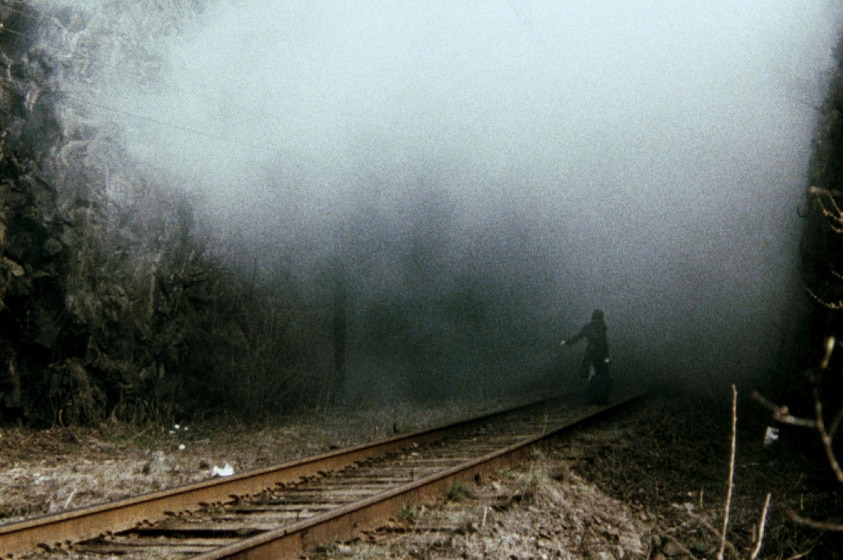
(478, 176)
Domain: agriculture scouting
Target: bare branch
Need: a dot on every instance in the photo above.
(813, 524)
(727, 506)
(761, 525)
(817, 191)
(799, 555)
(782, 414)
(699, 519)
(825, 437)
(835, 424)
(829, 348)
(834, 306)
(836, 214)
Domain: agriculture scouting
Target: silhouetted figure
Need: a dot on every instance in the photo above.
(596, 357)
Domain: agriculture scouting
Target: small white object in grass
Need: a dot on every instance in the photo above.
(770, 436)
(181, 447)
(344, 550)
(227, 470)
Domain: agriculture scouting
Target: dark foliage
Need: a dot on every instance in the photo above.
(822, 238)
(111, 305)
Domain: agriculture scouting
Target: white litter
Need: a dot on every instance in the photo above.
(227, 470)
(181, 447)
(770, 436)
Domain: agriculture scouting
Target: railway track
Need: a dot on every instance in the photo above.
(280, 511)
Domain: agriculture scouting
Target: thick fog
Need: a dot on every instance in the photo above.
(478, 176)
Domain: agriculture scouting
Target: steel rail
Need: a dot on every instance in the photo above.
(55, 531)
(345, 522)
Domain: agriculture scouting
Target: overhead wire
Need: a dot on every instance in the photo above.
(151, 120)
(105, 107)
(522, 16)
(526, 19)
(135, 116)
(21, 12)
(4, 29)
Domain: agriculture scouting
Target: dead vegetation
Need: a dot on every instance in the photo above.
(653, 486)
(515, 514)
(60, 468)
(650, 486)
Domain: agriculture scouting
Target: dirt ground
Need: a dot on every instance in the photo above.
(650, 486)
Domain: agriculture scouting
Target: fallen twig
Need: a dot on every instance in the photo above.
(799, 555)
(702, 521)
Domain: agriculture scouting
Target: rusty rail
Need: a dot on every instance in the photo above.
(345, 522)
(60, 530)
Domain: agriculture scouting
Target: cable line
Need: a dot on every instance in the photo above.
(20, 12)
(4, 29)
(143, 118)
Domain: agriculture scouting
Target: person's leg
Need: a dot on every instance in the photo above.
(585, 366)
(601, 367)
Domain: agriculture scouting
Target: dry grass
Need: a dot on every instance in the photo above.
(652, 485)
(539, 510)
(48, 471)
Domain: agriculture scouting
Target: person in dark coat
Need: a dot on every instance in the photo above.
(596, 356)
